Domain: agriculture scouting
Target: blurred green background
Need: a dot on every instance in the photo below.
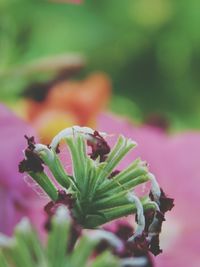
(150, 49)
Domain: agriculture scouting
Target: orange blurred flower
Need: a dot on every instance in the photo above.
(67, 103)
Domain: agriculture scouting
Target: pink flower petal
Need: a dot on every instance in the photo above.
(16, 198)
(175, 161)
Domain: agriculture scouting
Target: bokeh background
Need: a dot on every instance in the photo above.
(150, 49)
(146, 56)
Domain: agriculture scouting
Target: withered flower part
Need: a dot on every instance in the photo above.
(154, 228)
(137, 248)
(31, 142)
(63, 199)
(57, 150)
(124, 231)
(51, 208)
(32, 161)
(149, 215)
(113, 174)
(100, 147)
(165, 203)
(155, 245)
(153, 232)
(154, 220)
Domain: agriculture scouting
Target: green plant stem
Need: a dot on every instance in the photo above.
(45, 183)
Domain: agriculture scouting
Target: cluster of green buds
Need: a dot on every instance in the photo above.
(25, 248)
(96, 192)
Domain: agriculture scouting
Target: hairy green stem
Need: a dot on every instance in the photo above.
(45, 183)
